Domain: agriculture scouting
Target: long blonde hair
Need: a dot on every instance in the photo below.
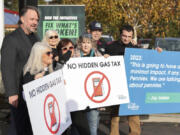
(34, 64)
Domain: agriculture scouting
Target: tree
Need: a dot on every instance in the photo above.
(149, 17)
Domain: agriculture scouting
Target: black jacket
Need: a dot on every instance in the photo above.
(118, 48)
(15, 51)
(28, 77)
(101, 45)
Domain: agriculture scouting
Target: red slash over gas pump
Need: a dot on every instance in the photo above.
(52, 113)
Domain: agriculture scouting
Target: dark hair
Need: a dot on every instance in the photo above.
(63, 43)
(127, 28)
(24, 11)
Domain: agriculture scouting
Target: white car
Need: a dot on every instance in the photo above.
(169, 43)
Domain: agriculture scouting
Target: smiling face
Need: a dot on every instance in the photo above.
(47, 57)
(30, 21)
(53, 40)
(86, 46)
(126, 36)
(96, 34)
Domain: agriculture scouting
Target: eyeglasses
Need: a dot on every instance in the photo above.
(66, 48)
(48, 53)
(55, 37)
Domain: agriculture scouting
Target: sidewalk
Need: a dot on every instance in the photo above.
(170, 118)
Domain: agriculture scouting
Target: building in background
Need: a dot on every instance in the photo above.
(10, 19)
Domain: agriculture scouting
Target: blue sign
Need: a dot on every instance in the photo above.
(153, 82)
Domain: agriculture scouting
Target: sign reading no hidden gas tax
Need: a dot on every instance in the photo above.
(47, 107)
(95, 82)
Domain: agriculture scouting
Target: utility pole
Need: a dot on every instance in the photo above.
(1, 21)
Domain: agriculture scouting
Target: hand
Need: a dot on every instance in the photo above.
(13, 100)
(63, 58)
(133, 42)
(159, 49)
(56, 58)
(39, 75)
(106, 55)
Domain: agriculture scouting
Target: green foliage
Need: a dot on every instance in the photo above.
(11, 4)
(151, 18)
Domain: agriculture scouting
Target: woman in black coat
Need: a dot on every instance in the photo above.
(38, 65)
(39, 62)
(79, 120)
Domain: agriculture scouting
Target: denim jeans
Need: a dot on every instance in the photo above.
(93, 121)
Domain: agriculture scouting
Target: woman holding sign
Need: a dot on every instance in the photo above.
(79, 120)
(85, 49)
(38, 65)
(39, 62)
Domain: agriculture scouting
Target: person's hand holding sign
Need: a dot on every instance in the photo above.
(39, 75)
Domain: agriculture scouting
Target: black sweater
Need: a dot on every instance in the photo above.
(118, 48)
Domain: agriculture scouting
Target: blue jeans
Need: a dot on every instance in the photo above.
(93, 121)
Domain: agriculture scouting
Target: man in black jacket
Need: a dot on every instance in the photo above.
(15, 51)
(126, 41)
(118, 48)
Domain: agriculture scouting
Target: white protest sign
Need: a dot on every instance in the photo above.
(95, 82)
(47, 107)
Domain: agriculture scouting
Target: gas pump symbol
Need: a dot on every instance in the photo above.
(52, 113)
(98, 89)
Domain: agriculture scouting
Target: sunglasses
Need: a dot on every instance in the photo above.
(55, 37)
(48, 53)
(70, 48)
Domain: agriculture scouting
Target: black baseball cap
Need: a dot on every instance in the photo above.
(95, 26)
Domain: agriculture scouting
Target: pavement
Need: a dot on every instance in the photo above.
(162, 118)
(156, 124)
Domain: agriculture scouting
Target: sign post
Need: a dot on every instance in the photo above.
(1, 21)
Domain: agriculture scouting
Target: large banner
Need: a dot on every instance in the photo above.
(95, 82)
(67, 20)
(153, 82)
(47, 107)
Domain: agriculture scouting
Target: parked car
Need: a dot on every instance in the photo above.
(108, 38)
(144, 43)
(169, 43)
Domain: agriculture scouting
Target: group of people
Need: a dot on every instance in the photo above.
(25, 58)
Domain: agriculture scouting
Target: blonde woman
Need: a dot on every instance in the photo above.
(39, 62)
(52, 38)
(38, 65)
(85, 49)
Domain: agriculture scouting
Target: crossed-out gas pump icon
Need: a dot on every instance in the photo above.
(52, 113)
